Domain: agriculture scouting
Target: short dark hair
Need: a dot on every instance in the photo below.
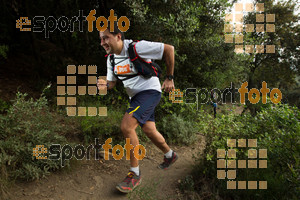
(116, 30)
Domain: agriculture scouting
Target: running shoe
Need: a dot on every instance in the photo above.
(129, 183)
(168, 161)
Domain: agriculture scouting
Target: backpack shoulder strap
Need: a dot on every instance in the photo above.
(133, 54)
(112, 62)
(131, 50)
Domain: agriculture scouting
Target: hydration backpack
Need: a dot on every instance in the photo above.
(145, 68)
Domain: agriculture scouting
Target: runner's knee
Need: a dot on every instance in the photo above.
(148, 130)
(126, 130)
(154, 135)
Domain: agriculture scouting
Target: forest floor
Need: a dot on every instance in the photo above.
(98, 179)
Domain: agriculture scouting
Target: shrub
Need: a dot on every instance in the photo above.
(166, 107)
(27, 123)
(177, 129)
(276, 129)
(3, 106)
(102, 127)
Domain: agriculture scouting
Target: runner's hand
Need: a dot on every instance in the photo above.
(101, 84)
(168, 85)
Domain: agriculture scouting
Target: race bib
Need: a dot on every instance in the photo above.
(124, 67)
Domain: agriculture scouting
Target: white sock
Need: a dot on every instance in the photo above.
(136, 170)
(169, 154)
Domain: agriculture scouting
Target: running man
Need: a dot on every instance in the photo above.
(144, 96)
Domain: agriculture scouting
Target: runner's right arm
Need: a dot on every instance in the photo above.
(102, 84)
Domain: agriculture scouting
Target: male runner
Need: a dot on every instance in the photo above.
(144, 95)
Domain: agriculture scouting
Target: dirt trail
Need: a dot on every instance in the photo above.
(97, 179)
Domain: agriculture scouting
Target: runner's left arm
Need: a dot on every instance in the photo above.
(169, 58)
(157, 51)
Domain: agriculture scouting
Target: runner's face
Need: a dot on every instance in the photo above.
(110, 42)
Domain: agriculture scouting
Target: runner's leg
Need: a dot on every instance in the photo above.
(150, 130)
(133, 178)
(170, 156)
(128, 126)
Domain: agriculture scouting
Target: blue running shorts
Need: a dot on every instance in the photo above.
(143, 104)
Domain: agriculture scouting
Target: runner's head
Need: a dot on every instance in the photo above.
(116, 30)
(112, 41)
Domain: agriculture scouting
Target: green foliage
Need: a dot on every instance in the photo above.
(284, 63)
(187, 111)
(187, 184)
(3, 106)
(3, 51)
(28, 123)
(103, 127)
(177, 129)
(276, 129)
(180, 122)
(293, 96)
(200, 50)
(167, 107)
(259, 106)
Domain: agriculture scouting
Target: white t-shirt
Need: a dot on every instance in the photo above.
(146, 50)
